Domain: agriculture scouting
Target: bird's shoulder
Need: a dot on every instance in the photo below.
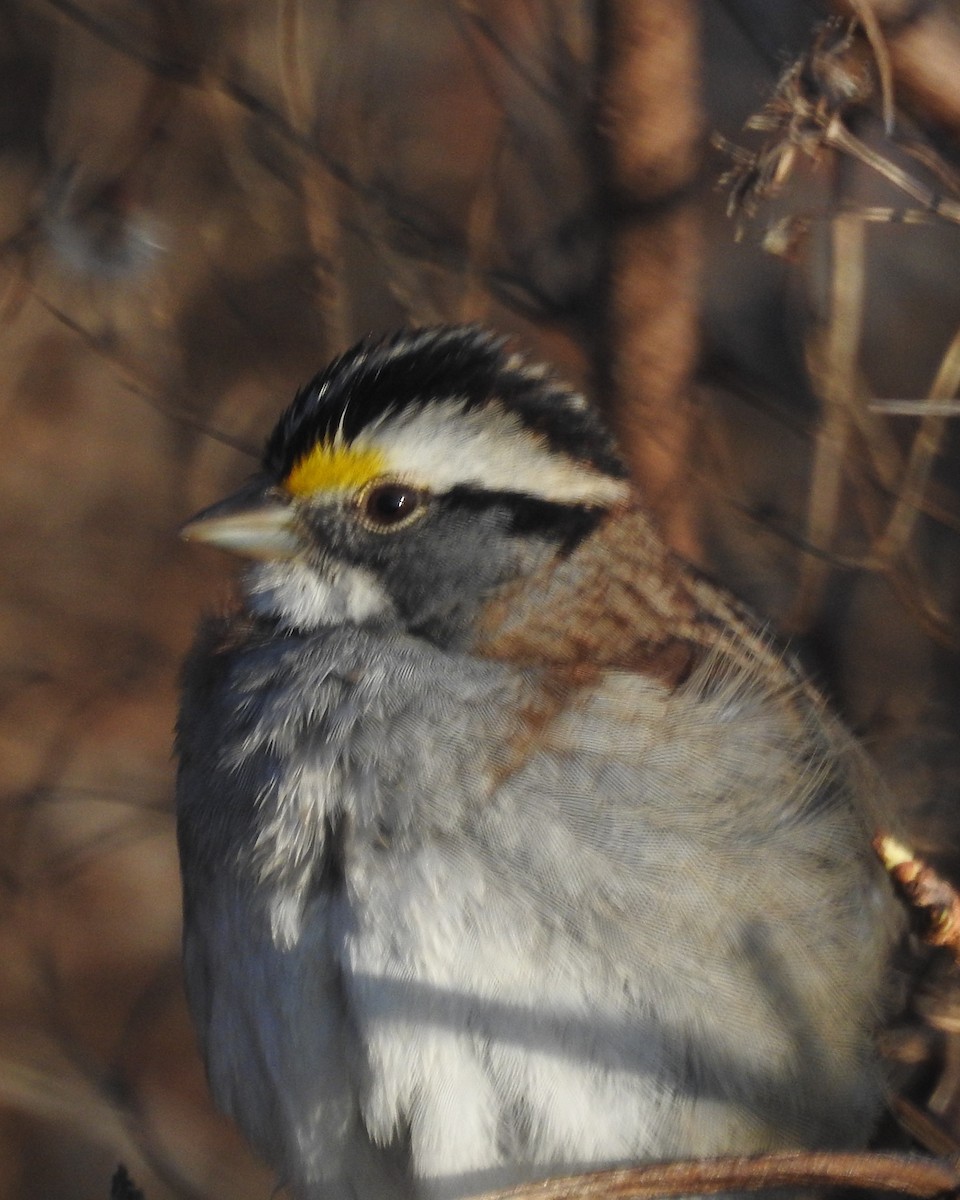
(622, 600)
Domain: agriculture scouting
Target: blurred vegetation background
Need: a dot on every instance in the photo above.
(201, 201)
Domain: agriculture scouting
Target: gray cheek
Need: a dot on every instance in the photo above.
(440, 576)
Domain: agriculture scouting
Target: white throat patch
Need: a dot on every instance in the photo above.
(303, 598)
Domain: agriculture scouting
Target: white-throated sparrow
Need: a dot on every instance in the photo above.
(509, 845)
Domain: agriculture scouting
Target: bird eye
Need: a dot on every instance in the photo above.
(389, 504)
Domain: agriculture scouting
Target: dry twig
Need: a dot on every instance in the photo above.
(806, 115)
(905, 1175)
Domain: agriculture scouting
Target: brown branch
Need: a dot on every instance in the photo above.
(902, 1174)
(651, 125)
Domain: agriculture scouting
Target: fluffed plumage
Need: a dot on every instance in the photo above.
(510, 845)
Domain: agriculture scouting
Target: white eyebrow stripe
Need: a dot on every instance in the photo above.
(443, 446)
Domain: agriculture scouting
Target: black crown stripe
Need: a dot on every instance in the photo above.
(417, 367)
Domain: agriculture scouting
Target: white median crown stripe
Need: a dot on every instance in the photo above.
(440, 446)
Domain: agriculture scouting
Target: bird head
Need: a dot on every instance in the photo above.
(410, 480)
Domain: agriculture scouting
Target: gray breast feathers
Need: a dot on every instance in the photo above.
(653, 928)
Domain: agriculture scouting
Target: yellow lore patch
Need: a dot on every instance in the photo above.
(330, 467)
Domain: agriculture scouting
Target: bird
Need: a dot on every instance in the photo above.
(511, 844)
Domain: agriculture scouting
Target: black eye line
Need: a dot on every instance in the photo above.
(563, 522)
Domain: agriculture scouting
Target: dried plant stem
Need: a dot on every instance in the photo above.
(874, 475)
(903, 1174)
(650, 121)
(840, 138)
(926, 446)
(837, 378)
(916, 408)
(944, 1100)
(880, 214)
(926, 1129)
(881, 56)
(923, 42)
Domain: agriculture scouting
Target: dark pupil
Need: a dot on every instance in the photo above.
(391, 503)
